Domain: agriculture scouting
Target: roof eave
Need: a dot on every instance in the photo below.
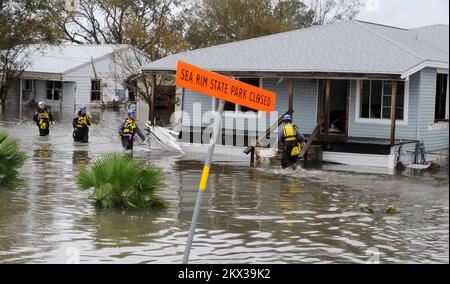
(290, 73)
(423, 65)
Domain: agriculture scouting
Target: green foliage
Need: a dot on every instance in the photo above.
(213, 22)
(120, 182)
(11, 159)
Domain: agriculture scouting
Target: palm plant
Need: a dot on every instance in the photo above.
(119, 181)
(11, 159)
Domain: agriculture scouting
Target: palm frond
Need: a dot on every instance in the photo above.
(119, 181)
(11, 159)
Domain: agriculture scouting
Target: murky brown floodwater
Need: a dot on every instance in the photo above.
(248, 215)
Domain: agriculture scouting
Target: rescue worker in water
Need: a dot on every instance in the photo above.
(81, 124)
(129, 131)
(292, 141)
(43, 118)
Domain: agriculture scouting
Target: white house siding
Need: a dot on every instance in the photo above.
(68, 92)
(107, 71)
(12, 99)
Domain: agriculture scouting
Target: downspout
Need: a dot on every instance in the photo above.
(419, 94)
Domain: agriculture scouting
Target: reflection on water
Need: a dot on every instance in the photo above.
(248, 215)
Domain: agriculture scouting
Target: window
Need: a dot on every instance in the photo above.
(131, 91)
(441, 100)
(376, 100)
(253, 82)
(54, 90)
(229, 106)
(96, 90)
(28, 86)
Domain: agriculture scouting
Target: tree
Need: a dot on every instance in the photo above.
(24, 26)
(333, 11)
(293, 14)
(147, 25)
(213, 22)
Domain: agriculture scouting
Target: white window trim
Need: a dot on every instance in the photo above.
(359, 119)
(53, 92)
(237, 113)
(101, 90)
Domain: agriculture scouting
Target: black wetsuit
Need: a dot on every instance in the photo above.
(81, 125)
(43, 118)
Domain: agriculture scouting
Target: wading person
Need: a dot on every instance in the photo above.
(43, 118)
(129, 131)
(81, 124)
(292, 141)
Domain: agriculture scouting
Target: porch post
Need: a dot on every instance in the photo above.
(327, 105)
(20, 95)
(152, 106)
(291, 96)
(393, 111)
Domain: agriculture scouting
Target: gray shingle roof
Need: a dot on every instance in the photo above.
(349, 47)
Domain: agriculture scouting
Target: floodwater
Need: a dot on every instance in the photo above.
(248, 215)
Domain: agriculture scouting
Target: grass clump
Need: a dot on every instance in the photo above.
(118, 181)
(11, 160)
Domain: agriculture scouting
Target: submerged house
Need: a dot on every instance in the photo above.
(379, 89)
(72, 75)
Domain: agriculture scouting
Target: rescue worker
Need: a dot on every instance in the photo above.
(43, 118)
(292, 141)
(81, 125)
(128, 131)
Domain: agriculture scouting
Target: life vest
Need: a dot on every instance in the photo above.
(290, 133)
(83, 121)
(43, 118)
(129, 128)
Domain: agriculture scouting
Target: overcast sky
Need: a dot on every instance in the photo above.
(405, 13)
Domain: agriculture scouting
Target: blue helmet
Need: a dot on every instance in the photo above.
(287, 118)
(131, 112)
(83, 109)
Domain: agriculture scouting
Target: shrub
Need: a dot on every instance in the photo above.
(120, 182)
(11, 159)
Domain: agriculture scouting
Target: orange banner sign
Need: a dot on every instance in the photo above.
(224, 88)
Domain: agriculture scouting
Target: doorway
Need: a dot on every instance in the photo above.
(333, 106)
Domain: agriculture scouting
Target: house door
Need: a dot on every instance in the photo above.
(333, 106)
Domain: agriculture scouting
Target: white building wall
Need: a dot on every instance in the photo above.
(110, 73)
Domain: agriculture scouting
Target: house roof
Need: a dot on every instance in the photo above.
(63, 58)
(348, 47)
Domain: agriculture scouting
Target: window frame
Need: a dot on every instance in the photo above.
(384, 121)
(446, 119)
(99, 90)
(53, 89)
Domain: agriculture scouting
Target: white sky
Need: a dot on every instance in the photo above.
(405, 13)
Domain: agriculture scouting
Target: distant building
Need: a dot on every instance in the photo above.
(343, 73)
(72, 75)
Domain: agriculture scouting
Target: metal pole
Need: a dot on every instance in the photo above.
(205, 174)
